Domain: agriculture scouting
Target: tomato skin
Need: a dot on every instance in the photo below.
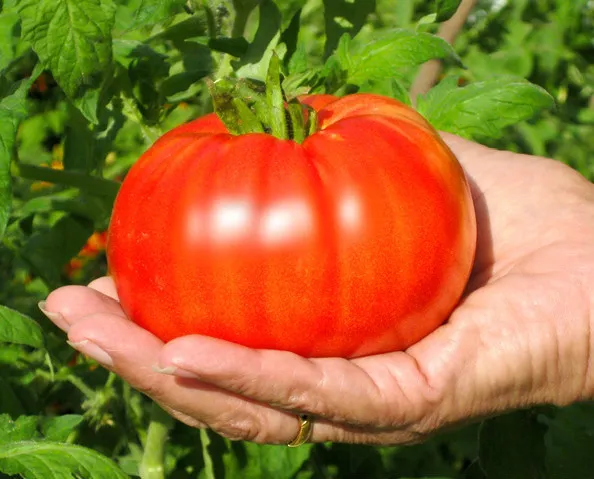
(359, 241)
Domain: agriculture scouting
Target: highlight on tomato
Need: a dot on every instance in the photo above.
(323, 226)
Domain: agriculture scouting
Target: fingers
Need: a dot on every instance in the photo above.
(249, 394)
(131, 352)
(106, 286)
(97, 328)
(384, 392)
(69, 304)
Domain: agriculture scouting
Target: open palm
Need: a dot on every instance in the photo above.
(521, 335)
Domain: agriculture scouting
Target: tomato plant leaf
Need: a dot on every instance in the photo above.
(482, 109)
(8, 131)
(21, 429)
(8, 22)
(445, 9)
(17, 328)
(13, 109)
(392, 54)
(95, 208)
(400, 92)
(87, 144)
(570, 441)
(253, 461)
(73, 39)
(60, 427)
(344, 17)
(254, 63)
(512, 446)
(48, 251)
(233, 46)
(139, 13)
(55, 460)
(10, 402)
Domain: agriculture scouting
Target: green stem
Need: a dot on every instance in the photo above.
(240, 21)
(211, 24)
(276, 101)
(208, 471)
(152, 465)
(78, 383)
(87, 183)
(82, 387)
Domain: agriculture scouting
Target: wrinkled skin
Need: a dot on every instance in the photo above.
(521, 336)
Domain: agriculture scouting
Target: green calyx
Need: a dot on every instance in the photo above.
(245, 106)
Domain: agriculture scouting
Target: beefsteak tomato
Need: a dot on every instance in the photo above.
(358, 241)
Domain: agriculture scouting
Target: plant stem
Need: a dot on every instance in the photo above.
(82, 387)
(208, 464)
(430, 71)
(152, 465)
(87, 183)
(240, 21)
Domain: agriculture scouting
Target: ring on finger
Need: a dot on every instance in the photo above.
(305, 430)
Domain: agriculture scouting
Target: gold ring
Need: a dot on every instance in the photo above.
(305, 430)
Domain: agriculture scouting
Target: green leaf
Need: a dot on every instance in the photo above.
(48, 251)
(56, 460)
(126, 51)
(570, 442)
(233, 46)
(21, 429)
(254, 64)
(344, 17)
(140, 13)
(13, 109)
(17, 328)
(10, 402)
(445, 9)
(59, 428)
(275, 100)
(8, 23)
(79, 144)
(95, 208)
(400, 92)
(512, 446)
(192, 27)
(393, 54)
(482, 109)
(290, 36)
(8, 130)
(72, 38)
(87, 144)
(252, 461)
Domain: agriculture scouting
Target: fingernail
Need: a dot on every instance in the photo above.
(56, 318)
(90, 349)
(174, 371)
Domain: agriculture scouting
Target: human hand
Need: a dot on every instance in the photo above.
(521, 336)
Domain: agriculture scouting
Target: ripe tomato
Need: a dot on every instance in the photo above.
(358, 241)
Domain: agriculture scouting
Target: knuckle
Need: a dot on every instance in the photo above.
(252, 426)
(151, 385)
(237, 429)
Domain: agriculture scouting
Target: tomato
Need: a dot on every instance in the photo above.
(358, 241)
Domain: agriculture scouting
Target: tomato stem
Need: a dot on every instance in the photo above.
(246, 106)
(276, 100)
(297, 123)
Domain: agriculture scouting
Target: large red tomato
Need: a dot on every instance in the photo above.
(358, 241)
